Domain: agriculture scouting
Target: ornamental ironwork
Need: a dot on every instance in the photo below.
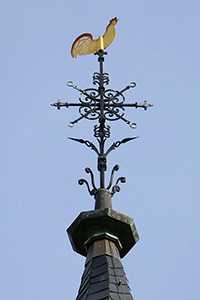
(104, 105)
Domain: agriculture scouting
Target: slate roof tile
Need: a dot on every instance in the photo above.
(104, 279)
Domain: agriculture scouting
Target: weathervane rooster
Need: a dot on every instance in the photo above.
(84, 44)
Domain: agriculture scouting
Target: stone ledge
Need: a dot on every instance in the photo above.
(108, 221)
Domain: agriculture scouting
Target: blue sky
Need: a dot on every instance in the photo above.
(157, 46)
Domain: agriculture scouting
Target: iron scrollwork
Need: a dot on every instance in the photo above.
(102, 105)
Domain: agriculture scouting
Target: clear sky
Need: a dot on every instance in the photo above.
(157, 46)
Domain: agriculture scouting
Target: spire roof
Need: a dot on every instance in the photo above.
(104, 276)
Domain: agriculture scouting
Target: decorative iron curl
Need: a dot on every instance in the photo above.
(114, 113)
(90, 95)
(100, 79)
(116, 187)
(115, 168)
(88, 109)
(106, 78)
(89, 113)
(96, 78)
(98, 131)
(82, 181)
(89, 171)
(112, 96)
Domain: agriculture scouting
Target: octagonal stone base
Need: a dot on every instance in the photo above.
(99, 224)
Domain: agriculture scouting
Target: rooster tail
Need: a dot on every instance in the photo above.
(81, 45)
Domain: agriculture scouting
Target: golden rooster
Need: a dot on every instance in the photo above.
(84, 44)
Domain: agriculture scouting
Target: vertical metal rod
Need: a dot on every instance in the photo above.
(101, 121)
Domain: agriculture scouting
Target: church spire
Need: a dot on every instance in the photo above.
(102, 235)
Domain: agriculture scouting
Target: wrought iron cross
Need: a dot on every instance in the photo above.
(103, 105)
